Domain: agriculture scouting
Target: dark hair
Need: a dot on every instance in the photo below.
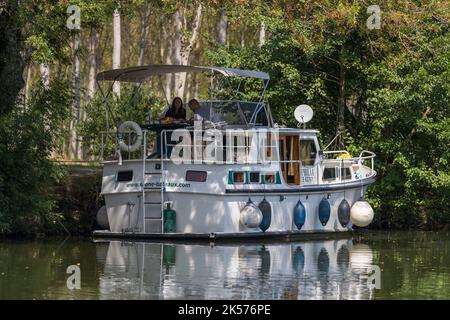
(173, 102)
(192, 101)
(172, 112)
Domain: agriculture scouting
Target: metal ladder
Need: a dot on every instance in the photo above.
(145, 189)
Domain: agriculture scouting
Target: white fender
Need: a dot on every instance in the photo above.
(361, 213)
(127, 125)
(102, 218)
(251, 215)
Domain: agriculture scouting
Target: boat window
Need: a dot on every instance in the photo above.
(196, 176)
(227, 111)
(250, 108)
(329, 174)
(254, 177)
(345, 173)
(238, 177)
(124, 176)
(269, 178)
(308, 152)
(289, 153)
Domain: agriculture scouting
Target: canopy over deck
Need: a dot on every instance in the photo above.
(139, 74)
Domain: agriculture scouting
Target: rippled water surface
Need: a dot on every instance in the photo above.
(414, 265)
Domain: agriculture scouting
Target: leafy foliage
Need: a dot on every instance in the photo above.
(105, 114)
(27, 176)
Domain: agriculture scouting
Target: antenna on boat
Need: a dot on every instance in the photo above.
(303, 114)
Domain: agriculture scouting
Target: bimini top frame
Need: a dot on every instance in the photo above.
(140, 74)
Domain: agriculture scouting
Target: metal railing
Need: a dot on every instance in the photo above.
(110, 146)
(363, 156)
(224, 149)
(230, 154)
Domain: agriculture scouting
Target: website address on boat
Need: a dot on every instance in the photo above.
(158, 184)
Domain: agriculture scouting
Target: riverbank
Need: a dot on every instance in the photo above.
(78, 198)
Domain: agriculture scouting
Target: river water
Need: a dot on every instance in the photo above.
(375, 265)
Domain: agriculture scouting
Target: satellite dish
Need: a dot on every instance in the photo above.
(303, 113)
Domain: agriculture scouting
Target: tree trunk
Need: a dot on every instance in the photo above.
(93, 48)
(222, 27)
(188, 48)
(94, 40)
(177, 43)
(196, 86)
(168, 58)
(116, 47)
(262, 34)
(103, 44)
(243, 31)
(13, 57)
(27, 84)
(45, 72)
(74, 142)
(162, 38)
(340, 125)
(145, 28)
(189, 79)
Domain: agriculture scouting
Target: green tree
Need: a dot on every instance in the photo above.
(27, 176)
(385, 90)
(28, 130)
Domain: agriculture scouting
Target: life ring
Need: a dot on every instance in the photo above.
(127, 125)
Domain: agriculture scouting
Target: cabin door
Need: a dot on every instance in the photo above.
(290, 157)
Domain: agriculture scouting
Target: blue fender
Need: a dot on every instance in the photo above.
(299, 215)
(344, 213)
(324, 211)
(266, 211)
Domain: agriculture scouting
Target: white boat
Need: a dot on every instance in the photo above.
(234, 174)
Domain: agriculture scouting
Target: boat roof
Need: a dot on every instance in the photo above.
(140, 74)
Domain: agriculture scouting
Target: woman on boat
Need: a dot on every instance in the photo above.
(176, 110)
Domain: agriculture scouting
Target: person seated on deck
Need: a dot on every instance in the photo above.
(176, 110)
(198, 110)
(204, 112)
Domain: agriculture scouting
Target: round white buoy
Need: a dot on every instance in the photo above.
(251, 215)
(361, 213)
(102, 218)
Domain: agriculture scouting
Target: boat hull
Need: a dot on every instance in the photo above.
(214, 206)
(220, 214)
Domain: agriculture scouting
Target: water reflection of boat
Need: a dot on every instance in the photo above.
(332, 269)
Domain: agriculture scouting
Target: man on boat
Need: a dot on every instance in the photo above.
(204, 112)
(195, 107)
